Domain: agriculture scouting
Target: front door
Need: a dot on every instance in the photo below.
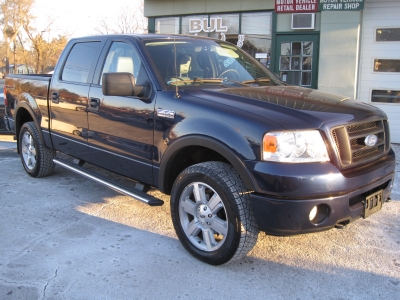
(296, 59)
(121, 128)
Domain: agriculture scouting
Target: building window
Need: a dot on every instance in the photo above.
(195, 25)
(387, 35)
(385, 96)
(167, 25)
(257, 29)
(295, 62)
(387, 65)
(250, 31)
(229, 25)
(256, 23)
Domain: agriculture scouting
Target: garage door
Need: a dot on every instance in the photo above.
(380, 60)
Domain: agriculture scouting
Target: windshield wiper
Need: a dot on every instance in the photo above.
(204, 80)
(257, 80)
(218, 80)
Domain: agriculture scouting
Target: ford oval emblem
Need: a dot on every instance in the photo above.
(371, 140)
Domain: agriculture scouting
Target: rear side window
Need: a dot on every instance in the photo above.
(79, 61)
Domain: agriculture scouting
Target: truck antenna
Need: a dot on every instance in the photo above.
(176, 73)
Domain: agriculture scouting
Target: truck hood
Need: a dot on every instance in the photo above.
(307, 108)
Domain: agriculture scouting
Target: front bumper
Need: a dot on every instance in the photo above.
(288, 194)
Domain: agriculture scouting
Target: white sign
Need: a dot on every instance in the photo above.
(261, 55)
(198, 25)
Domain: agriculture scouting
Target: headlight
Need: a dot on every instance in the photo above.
(294, 146)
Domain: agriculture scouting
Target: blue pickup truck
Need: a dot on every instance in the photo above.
(238, 150)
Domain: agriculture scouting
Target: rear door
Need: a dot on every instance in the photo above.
(69, 97)
(121, 128)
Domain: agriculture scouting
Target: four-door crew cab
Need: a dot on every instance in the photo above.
(238, 150)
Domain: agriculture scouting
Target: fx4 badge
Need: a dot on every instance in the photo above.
(165, 113)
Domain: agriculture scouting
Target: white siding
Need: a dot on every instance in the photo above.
(380, 13)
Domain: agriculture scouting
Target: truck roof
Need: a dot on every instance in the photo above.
(147, 36)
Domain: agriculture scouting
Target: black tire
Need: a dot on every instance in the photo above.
(36, 158)
(218, 225)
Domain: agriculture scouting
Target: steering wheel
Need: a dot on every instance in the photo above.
(236, 73)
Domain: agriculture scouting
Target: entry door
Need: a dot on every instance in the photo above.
(296, 59)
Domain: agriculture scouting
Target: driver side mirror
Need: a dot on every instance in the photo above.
(123, 84)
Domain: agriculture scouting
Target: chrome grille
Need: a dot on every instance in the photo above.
(359, 127)
(350, 142)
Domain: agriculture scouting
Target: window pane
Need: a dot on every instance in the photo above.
(285, 63)
(167, 25)
(386, 65)
(295, 63)
(122, 58)
(388, 35)
(256, 23)
(231, 21)
(385, 96)
(259, 47)
(307, 48)
(285, 49)
(293, 78)
(306, 63)
(306, 78)
(296, 48)
(79, 61)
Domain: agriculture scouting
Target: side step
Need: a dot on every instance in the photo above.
(115, 185)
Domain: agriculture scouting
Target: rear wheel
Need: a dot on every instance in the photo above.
(212, 214)
(36, 158)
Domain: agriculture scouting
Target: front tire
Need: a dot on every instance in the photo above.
(212, 213)
(36, 158)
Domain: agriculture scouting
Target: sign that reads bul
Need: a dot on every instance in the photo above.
(198, 25)
(298, 6)
(341, 5)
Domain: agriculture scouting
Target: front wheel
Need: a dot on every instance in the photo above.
(212, 213)
(36, 158)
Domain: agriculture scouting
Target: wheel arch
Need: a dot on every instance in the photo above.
(221, 153)
(24, 114)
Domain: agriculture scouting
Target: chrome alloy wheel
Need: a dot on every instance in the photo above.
(203, 216)
(28, 151)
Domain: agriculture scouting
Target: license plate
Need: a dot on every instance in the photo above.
(373, 203)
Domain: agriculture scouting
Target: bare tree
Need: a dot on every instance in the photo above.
(53, 52)
(39, 43)
(129, 20)
(15, 13)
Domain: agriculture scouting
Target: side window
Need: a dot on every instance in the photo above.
(122, 57)
(79, 61)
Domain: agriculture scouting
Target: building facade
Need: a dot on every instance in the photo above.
(348, 47)
(21, 69)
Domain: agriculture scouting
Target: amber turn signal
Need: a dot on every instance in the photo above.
(270, 143)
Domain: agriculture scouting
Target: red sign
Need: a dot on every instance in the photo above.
(296, 6)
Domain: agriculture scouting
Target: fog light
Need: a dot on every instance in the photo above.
(313, 213)
(319, 214)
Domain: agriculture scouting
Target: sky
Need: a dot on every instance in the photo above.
(77, 17)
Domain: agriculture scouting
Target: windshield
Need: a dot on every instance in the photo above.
(206, 61)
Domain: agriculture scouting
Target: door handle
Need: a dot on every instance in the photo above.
(55, 98)
(94, 104)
